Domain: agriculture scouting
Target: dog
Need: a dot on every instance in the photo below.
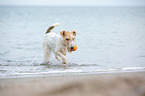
(59, 44)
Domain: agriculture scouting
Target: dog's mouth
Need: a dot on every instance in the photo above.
(73, 48)
(69, 50)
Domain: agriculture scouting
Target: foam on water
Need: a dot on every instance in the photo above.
(133, 68)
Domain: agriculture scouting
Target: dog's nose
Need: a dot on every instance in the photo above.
(72, 47)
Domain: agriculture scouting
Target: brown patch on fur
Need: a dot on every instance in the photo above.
(67, 33)
(69, 37)
(49, 29)
(62, 33)
(74, 33)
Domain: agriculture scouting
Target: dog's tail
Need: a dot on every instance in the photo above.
(51, 27)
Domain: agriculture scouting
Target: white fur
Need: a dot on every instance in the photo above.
(57, 43)
(55, 24)
(54, 43)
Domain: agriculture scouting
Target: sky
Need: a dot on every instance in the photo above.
(74, 2)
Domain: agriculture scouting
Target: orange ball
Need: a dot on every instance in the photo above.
(75, 48)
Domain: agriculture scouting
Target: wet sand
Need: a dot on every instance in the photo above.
(107, 84)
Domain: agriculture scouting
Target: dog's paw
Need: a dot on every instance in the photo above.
(63, 63)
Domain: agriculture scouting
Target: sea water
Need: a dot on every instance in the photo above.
(109, 39)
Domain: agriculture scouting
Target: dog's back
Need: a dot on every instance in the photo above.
(53, 41)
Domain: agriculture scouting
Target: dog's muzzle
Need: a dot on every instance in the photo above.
(72, 48)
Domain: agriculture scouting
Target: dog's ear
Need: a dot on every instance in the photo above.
(62, 33)
(74, 33)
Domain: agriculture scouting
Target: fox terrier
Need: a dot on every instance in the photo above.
(59, 44)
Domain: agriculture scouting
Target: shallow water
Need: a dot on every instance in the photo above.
(109, 39)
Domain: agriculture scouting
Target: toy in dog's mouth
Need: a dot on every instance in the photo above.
(74, 49)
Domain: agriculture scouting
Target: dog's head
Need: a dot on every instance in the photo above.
(69, 39)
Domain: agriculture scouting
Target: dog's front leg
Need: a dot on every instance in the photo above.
(62, 56)
(57, 57)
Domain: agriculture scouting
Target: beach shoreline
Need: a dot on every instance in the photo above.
(104, 84)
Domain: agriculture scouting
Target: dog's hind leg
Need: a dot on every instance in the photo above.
(47, 53)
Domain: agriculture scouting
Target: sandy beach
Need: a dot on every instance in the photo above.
(106, 84)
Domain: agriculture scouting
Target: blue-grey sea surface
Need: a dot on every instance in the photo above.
(109, 39)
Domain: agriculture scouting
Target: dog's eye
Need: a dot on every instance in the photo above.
(67, 39)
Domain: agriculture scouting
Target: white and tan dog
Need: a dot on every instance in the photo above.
(59, 44)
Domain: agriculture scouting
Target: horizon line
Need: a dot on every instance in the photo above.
(15, 5)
